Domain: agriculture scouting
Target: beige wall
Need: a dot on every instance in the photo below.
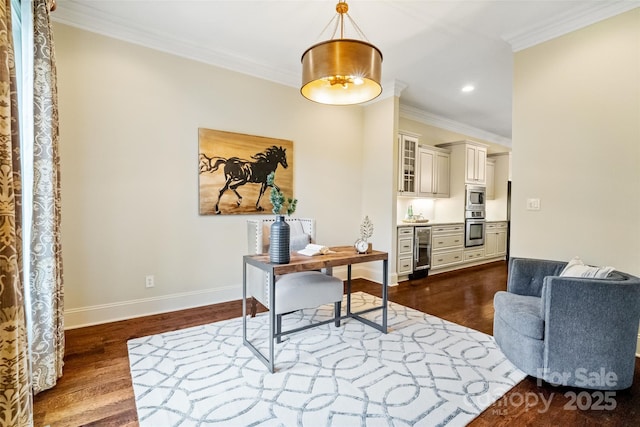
(576, 146)
(378, 186)
(129, 119)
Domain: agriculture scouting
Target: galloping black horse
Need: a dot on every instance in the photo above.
(239, 172)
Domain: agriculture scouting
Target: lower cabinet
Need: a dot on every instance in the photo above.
(473, 254)
(495, 241)
(405, 251)
(447, 245)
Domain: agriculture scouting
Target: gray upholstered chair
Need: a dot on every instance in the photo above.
(567, 330)
(294, 291)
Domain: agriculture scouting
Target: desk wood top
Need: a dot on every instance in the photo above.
(344, 255)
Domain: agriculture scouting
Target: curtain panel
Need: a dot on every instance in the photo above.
(47, 318)
(16, 405)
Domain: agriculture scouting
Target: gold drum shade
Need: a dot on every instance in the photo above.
(341, 72)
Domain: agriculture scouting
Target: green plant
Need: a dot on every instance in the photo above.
(366, 228)
(278, 199)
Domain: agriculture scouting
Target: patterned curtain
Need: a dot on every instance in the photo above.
(47, 320)
(15, 394)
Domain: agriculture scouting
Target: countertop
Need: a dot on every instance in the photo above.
(426, 224)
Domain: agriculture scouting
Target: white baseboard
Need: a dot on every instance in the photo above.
(638, 346)
(105, 313)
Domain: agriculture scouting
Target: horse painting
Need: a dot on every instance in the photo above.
(238, 172)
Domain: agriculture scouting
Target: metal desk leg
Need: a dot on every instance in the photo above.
(244, 300)
(349, 290)
(385, 297)
(269, 362)
(272, 320)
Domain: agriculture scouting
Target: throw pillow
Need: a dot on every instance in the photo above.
(577, 268)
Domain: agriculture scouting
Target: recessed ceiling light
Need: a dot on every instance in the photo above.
(468, 88)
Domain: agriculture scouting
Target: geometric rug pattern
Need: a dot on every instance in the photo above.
(424, 372)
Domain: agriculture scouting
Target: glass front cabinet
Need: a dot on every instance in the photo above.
(408, 165)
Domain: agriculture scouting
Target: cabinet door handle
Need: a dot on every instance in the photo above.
(456, 257)
(440, 260)
(457, 240)
(440, 243)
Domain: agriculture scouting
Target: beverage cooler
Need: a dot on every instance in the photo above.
(421, 252)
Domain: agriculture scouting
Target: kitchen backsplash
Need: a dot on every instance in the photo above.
(446, 210)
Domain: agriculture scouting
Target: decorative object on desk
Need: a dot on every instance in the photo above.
(312, 249)
(228, 161)
(361, 246)
(279, 246)
(366, 231)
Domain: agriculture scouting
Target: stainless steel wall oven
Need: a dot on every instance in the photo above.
(474, 231)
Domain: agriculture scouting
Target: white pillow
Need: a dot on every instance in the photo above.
(577, 268)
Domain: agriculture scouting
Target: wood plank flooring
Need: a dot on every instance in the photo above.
(96, 390)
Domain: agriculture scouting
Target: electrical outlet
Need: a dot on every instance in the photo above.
(533, 204)
(149, 281)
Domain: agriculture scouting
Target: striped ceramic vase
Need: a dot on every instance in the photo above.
(279, 252)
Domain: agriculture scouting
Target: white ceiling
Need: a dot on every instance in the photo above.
(430, 48)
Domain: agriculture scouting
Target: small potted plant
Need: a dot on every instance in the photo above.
(279, 250)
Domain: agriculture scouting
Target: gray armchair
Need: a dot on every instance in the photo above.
(568, 330)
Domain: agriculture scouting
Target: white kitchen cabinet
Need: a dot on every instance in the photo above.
(491, 182)
(476, 163)
(433, 175)
(447, 243)
(405, 251)
(408, 168)
(473, 254)
(442, 174)
(468, 159)
(495, 241)
(501, 242)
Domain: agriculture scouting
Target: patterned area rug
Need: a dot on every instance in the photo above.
(424, 372)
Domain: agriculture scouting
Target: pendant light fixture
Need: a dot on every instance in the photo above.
(341, 71)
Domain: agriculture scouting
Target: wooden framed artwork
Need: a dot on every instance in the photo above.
(233, 170)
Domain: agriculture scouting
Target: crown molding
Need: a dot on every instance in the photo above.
(567, 22)
(413, 113)
(389, 89)
(85, 17)
(398, 87)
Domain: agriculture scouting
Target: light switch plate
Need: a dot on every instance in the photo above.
(533, 204)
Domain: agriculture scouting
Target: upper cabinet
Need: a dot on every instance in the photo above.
(423, 170)
(408, 146)
(433, 180)
(476, 162)
(472, 156)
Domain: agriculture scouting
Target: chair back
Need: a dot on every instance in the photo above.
(258, 231)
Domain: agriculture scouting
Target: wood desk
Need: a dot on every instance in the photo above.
(343, 255)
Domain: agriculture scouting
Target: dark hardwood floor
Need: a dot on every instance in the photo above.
(96, 387)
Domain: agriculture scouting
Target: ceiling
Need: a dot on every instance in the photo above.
(431, 49)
